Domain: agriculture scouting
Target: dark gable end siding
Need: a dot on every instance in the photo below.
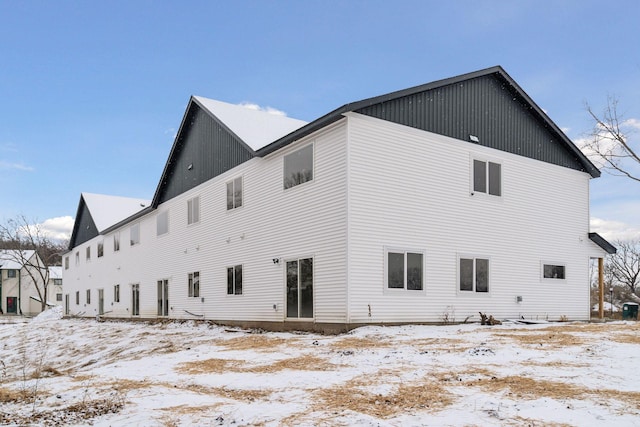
(84, 227)
(207, 146)
(487, 107)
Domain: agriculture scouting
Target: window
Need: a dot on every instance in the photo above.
(163, 297)
(116, 293)
(77, 258)
(57, 282)
(487, 177)
(194, 284)
(100, 249)
(162, 223)
(11, 274)
(474, 274)
(135, 299)
(300, 288)
(553, 271)
(77, 297)
(405, 270)
(234, 193)
(116, 242)
(88, 250)
(234, 280)
(58, 297)
(298, 167)
(134, 233)
(88, 296)
(66, 263)
(193, 210)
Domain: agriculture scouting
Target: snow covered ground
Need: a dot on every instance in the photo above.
(83, 372)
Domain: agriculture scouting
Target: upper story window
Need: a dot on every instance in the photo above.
(554, 271)
(298, 167)
(116, 242)
(405, 270)
(77, 258)
(474, 274)
(66, 263)
(162, 223)
(234, 193)
(487, 177)
(11, 274)
(134, 233)
(100, 249)
(193, 210)
(88, 250)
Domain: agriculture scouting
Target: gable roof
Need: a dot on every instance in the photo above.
(97, 213)
(519, 97)
(256, 128)
(10, 258)
(603, 243)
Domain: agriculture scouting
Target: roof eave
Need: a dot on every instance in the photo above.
(603, 243)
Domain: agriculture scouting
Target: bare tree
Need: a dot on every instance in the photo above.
(21, 236)
(624, 266)
(608, 143)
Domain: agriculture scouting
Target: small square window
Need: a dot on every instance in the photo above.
(405, 270)
(554, 271)
(58, 297)
(11, 274)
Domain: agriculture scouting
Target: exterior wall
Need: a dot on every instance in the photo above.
(411, 189)
(22, 288)
(308, 220)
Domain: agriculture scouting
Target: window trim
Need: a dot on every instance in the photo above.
(543, 264)
(233, 192)
(116, 293)
(100, 249)
(191, 213)
(191, 285)
(487, 179)
(313, 165)
(88, 253)
(404, 251)
(116, 241)
(88, 299)
(66, 262)
(235, 290)
(162, 218)
(474, 290)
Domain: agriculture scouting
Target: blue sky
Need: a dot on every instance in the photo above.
(92, 93)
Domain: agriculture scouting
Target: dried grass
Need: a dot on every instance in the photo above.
(353, 396)
(302, 363)
(254, 342)
(359, 343)
(11, 396)
(626, 338)
(526, 388)
(542, 339)
(215, 366)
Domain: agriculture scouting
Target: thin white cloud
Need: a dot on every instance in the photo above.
(15, 166)
(632, 123)
(270, 110)
(614, 230)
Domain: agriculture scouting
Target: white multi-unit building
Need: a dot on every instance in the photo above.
(428, 204)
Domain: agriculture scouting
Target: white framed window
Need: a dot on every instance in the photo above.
(163, 297)
(473, 274)
(116, 293)
(135, 299)
(88, 252)
(77, 258)
(88, 296)
(404, 269)
(66, 263)
(77, 297)
(234, 193)
(116, 242)
(194, 284)
(298, 167)
(299, 281)
(193, 210)
(487, 177)
(134, 234)
(553, 271)
(162, 223)
(58, 297)
(234, 280)
(57, 282)
(100, 249)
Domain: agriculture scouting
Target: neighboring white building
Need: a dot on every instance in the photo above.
(18, 293)
(54, 295)
(434, 202)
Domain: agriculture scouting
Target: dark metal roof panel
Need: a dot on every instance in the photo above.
(84, 228)
(602, 242)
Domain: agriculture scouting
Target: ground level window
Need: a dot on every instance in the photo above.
(194, 284)
(116, 293)
(405, 270)
(135, 299)
(163, 297)
(234, 280)
(553, 271)
(58, 297)
(474, 274)
(77, 297)
(88, 296)
(300, 288)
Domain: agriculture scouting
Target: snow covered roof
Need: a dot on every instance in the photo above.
(110, 210)
(257, 128)
(10, 258)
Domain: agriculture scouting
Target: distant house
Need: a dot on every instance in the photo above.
(54, 294)
(430, 203)
(18, 293)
